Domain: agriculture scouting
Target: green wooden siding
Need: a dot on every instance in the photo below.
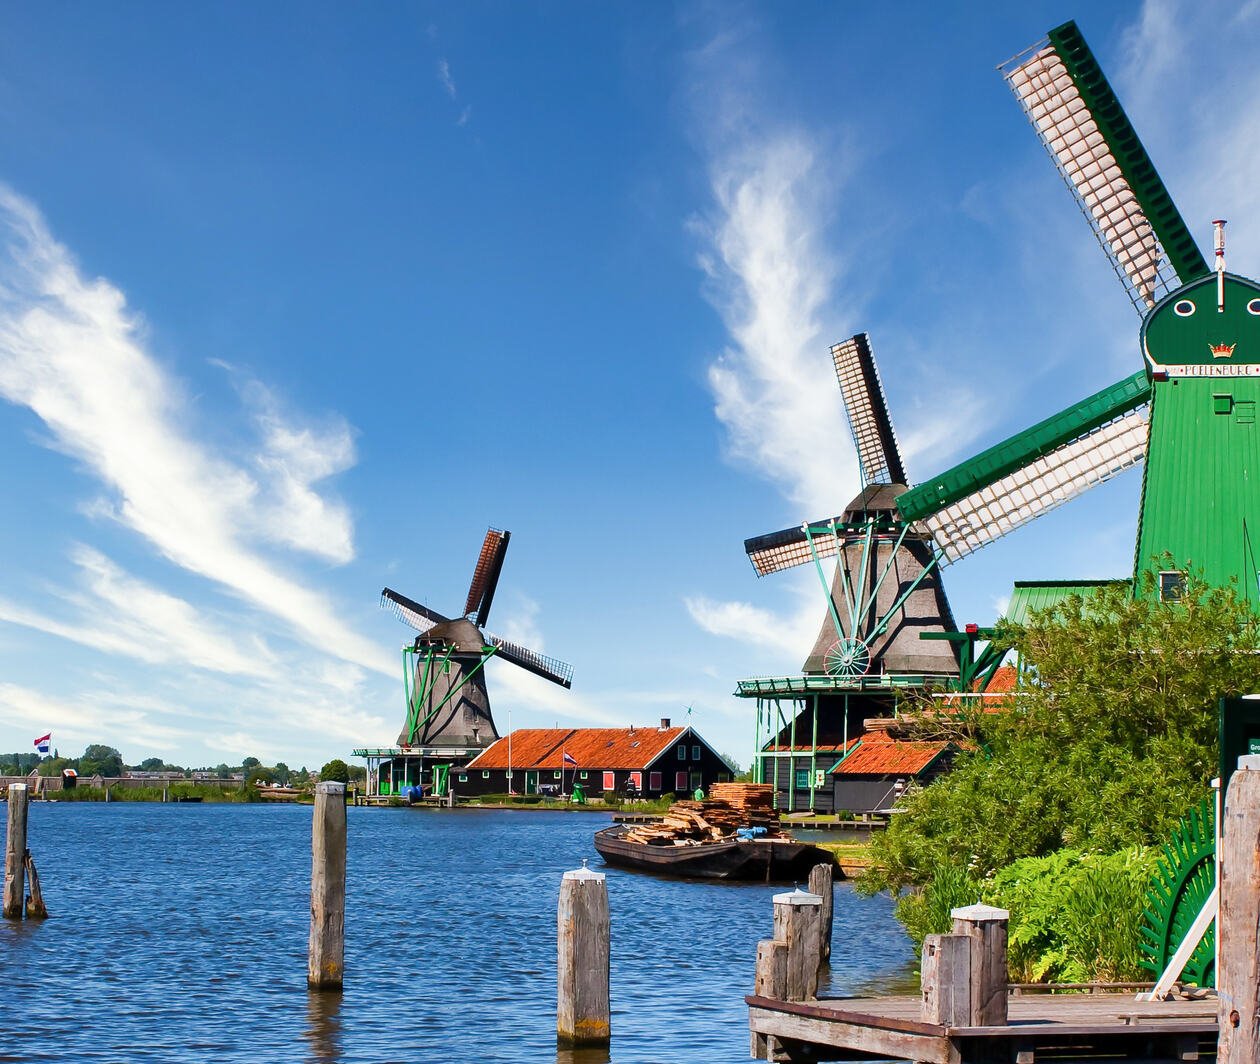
(1029, 595)
(1201, 492)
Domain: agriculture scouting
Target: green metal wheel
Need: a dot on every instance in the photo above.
(847, 657)
(1184, 878)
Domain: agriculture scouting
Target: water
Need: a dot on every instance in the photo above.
(178, 933)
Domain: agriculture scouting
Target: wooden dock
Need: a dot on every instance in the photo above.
(1040, 1027)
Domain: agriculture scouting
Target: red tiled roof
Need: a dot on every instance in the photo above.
(528, 747)
(882, 757)
(591, 748)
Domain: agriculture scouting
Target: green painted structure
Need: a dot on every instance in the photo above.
(1030, 595)
(1189, 414)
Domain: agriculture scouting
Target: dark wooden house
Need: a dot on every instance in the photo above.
(876, 771)
(645, 761)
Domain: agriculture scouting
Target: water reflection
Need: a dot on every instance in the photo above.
(323, 1026)
(584, 1055)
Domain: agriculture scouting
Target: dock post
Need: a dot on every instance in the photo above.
(1237, 973)
(986, 928)
(821, 882)
(582, 960)
(325, 961)
(797, 924)
(946, 980)
(15, 853)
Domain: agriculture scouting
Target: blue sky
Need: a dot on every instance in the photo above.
(296, 300)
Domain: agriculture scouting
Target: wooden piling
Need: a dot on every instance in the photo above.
(797, 923)
(1238, 965)
(822, 883)
(986, 927)
(15, 853)
(326, 952)
(946, 980)
(582, 960)
(35, 907)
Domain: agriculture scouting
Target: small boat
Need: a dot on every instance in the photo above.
(188, 798)
(767, 859)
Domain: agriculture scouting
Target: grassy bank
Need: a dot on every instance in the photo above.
(154, 794)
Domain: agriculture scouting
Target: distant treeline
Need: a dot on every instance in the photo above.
(101, 760)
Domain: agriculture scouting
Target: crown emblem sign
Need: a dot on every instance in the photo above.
(1222, 350)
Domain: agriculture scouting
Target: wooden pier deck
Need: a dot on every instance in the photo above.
(1038, 1028)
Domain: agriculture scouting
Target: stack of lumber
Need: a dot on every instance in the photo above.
(686, 823)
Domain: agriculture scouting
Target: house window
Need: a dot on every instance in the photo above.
(1245, 412)
(802, 779)
(485, 774)
(680, 781)
(1222, 403)
(654, 781)
(556, 775)
(1171, 585)
(682, 753)
(636, 779)
(724, 777)
(695, 753)
(463, 778)
(697, 781)
(610, 781)
(582, 774)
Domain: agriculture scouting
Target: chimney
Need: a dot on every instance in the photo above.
(664, 723)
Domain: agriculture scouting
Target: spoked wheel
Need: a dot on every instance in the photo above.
(847, 657)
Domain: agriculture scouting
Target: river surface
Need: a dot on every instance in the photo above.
(178, 933)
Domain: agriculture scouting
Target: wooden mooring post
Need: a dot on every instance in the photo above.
(583, 960)
(787, 965)
(822, 883)
(15, 853)
(325, 962)
(1238, 964)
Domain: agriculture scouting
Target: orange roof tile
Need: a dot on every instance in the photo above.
(591, 748)
(882, 757)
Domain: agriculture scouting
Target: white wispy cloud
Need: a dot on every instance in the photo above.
(786, 635)
(73, 353)
(448, 83)
(119, 614)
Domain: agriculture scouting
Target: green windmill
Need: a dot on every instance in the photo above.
(1189, 413)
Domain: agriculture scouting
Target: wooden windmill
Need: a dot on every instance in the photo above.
(886, 591)
(448, 706)
(1189, 413)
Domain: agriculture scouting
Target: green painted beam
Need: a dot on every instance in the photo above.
(1183, 253)
(1024, 447)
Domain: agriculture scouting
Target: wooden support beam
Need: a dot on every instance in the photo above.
(35, 908)
(1238, 963)
(15, 853)
(946, 980)
(798, 925)
(822, 883)
(325, 962)
(583, 1014)
(986, 927)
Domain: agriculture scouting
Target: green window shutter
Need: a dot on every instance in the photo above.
(1222, 404)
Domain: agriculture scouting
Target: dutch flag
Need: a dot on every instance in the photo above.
(41, 744)
(569, 759)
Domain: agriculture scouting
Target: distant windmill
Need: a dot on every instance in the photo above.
(447, 702)
(886, 590)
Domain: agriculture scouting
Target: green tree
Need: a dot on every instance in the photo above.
(336, 770)
(1111, 739)
(101, 760)
(282, 773)
(150, 764)
(250, 762)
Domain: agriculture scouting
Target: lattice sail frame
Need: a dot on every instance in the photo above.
(863, 394)
(1069, 132)
(970, 523)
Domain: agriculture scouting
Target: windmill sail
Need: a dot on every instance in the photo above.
(411, 613)
(868, 412)
(539, 664)
(1080, 121)
(776, 551)
(1033, 472)
(486, 575)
